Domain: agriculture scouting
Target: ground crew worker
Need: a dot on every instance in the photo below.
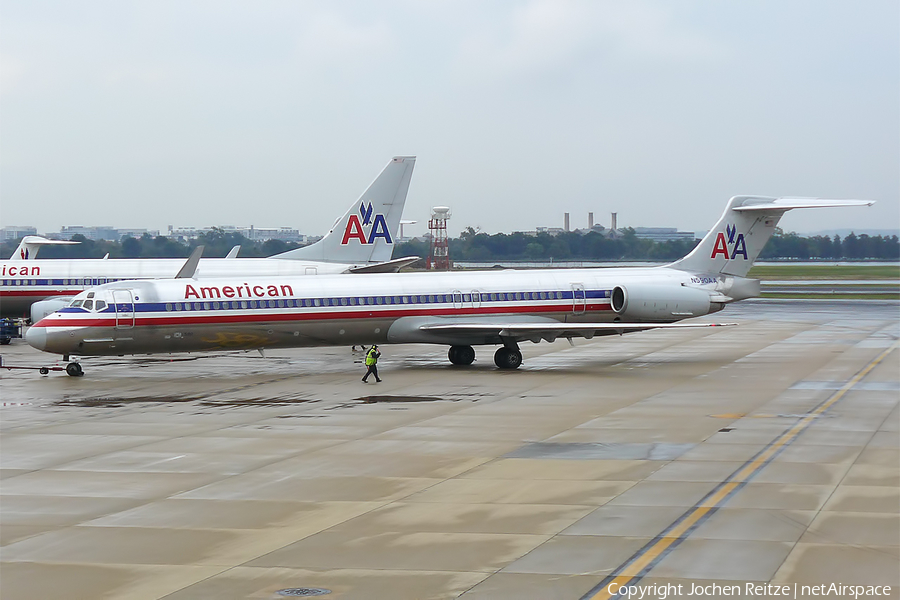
(372, 364)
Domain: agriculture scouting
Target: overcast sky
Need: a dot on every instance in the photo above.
(146, 114)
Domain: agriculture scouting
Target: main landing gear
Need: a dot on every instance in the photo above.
(507, 358)
(74, 369)
(461, 355)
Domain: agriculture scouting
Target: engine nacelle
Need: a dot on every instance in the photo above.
(649, 302)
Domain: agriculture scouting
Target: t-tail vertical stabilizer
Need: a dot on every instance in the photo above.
(366, 232)
(743, 230)
(30, 244)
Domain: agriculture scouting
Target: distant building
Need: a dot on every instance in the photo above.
(102, 232)
(657, 234)
(549, 230)
(663, 234)
(13, 233)
(256, 234)
(285, 234)
(91, 233)
(137, 233)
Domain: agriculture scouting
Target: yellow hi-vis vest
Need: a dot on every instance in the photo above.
(372, 357)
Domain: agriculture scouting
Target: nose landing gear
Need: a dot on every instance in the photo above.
(74, 369)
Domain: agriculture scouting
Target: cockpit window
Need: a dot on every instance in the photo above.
(90, 295)
(88, 304)
(76, 303)
(100, 305)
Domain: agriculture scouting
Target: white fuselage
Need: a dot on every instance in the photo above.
(184, 315)
(22, 283)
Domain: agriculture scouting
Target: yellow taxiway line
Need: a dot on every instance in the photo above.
(647, 557)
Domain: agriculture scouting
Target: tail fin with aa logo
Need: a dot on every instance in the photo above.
(367, 231)
(740, 235)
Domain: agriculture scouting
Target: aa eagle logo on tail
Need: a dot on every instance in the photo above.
(357, 226)
(735, 241)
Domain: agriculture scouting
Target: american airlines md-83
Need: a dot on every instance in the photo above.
(459, 309)
(360, 241)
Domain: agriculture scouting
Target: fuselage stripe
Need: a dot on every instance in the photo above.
(109, 319)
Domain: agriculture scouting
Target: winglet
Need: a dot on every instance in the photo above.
(190, 267)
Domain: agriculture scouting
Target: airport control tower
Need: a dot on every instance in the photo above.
(439, 256)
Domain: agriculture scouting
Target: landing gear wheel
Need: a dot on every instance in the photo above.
(73, 369)
(461, 355)
(44, 370)
(507, 358)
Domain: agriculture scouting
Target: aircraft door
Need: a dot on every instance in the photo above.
(578, 298)
(457, 299)
(123, 300)
(476, 298)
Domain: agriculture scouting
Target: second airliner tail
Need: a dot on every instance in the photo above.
(367, 231)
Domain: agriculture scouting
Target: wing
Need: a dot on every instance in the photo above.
(551, 331)
(499, 330)
(390, 266)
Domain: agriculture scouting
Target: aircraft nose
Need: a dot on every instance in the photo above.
(36, 337)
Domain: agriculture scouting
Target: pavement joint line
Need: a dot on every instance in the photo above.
(642, 561)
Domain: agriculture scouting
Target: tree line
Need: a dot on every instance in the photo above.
(472, 245)
(480, 247)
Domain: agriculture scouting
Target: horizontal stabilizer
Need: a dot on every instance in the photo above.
(30, 244)
(777, 204)
(391, 266)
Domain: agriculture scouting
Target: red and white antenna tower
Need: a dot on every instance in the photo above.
(439, 256)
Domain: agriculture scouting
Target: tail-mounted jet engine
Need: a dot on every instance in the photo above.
(647, 302)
